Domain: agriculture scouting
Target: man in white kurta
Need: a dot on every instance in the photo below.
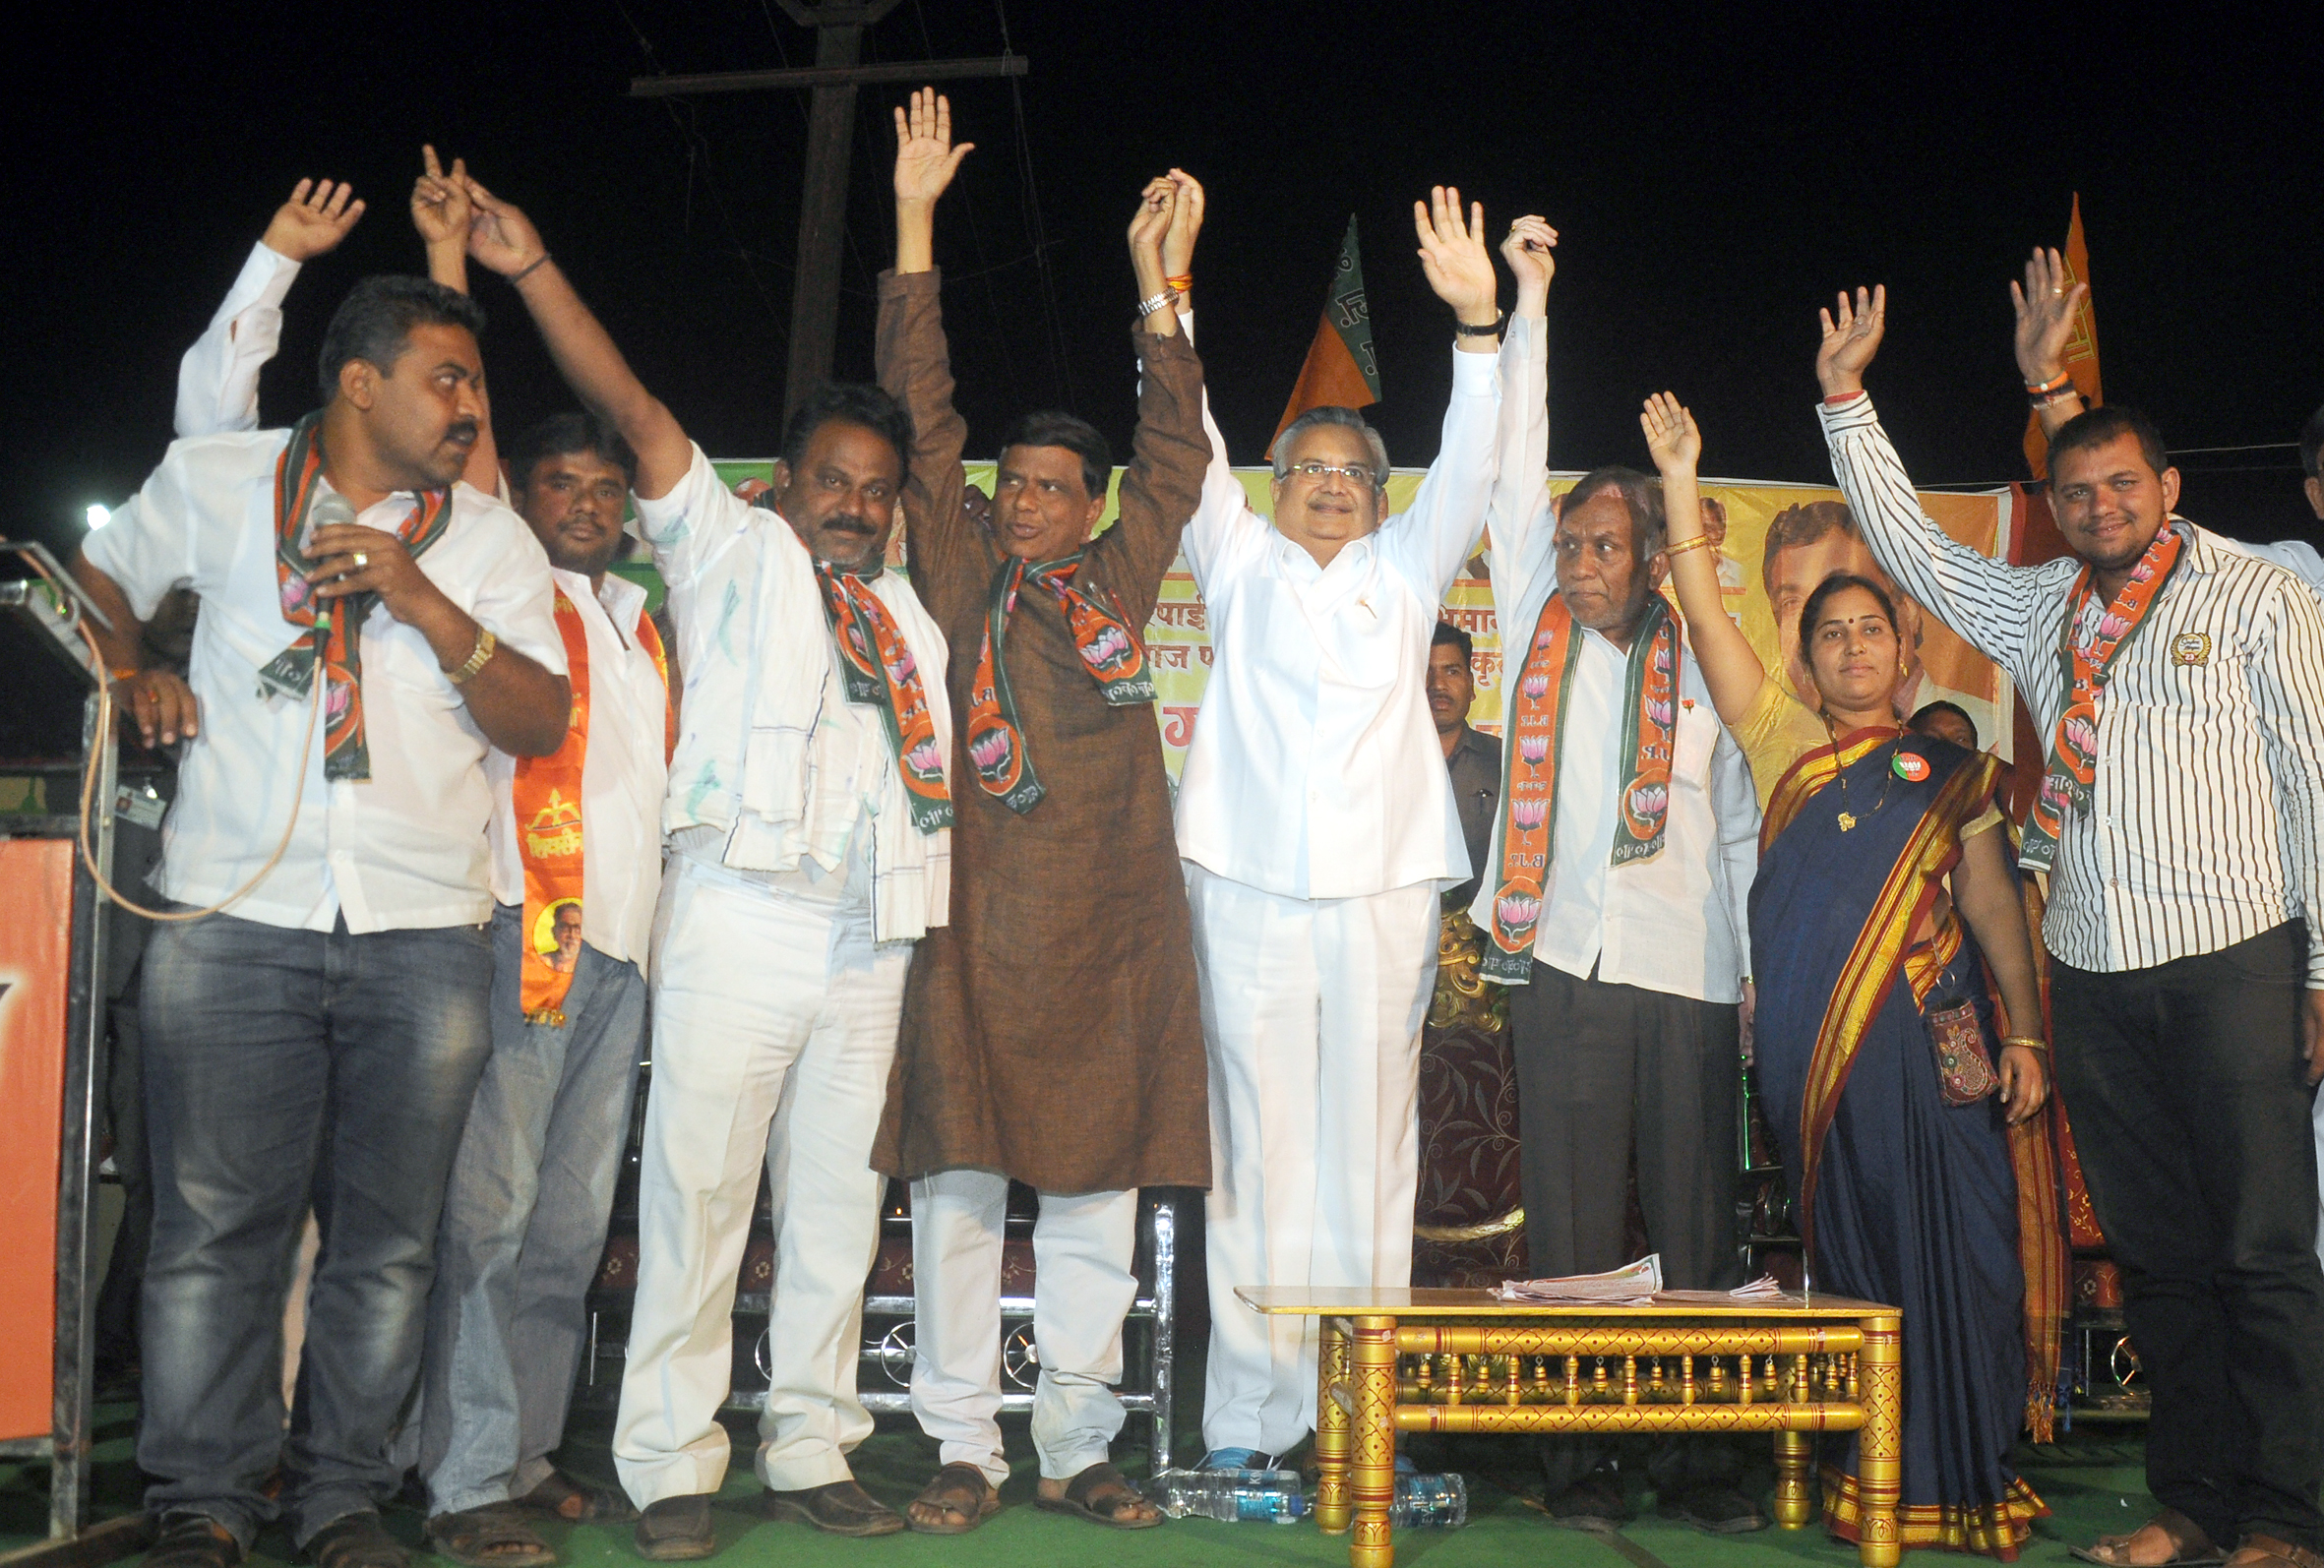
(1317, 827)
(809, 819)
(1623, 1006)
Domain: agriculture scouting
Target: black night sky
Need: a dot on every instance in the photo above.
(1714, 176)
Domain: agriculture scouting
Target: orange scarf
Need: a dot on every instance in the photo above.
(2084, 663)
(876, 667)
(1536, 742)
(547, 794)
(1110, 652)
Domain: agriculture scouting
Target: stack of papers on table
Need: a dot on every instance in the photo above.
(1637, 1285)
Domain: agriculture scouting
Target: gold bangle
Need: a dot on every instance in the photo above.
(1701, 541)
(2030, 1042)
(485, 643)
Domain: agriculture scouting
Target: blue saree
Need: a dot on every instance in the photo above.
(1901, 1197)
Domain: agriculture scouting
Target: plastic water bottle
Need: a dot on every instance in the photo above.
(1429, 1501)
(1231, 1495)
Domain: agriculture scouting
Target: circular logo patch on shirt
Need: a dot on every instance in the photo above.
(1910, 767)
(2191, 647)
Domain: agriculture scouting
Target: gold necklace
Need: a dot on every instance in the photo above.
(1848, 820)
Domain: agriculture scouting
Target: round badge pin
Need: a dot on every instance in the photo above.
(1910, 766)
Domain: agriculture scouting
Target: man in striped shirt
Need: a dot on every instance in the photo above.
(2184, 684)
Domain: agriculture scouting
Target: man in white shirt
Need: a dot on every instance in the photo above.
(1317, 827)
(531, 1189)
(1625, 950)
(2179, 690)
(368, 628)
(809, 813)
(575, 870)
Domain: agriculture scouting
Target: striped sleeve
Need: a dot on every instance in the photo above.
(2287, 695)
(1996, 607)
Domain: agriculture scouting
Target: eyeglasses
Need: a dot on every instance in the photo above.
(1318, 472)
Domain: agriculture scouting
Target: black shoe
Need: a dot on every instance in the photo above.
(841, 1508)
(676, 1529)
(1717, 1509)
(1592, 1503)
(193, 1540)
(356, 1540)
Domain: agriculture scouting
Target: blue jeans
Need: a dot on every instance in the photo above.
(524, 1226)
(283, 1069)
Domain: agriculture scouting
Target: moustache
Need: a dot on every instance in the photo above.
(461, 430)
(848, 525)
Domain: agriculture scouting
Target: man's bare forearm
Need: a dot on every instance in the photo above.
(586, 358)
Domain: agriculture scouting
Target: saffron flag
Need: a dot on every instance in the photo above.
(1341, 369)
(2081, 358)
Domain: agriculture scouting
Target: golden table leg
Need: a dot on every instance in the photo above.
(1795, 1470)
(1372, 1485)
(1334, 1438)
(1880, 1443)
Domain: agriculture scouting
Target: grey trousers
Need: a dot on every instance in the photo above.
(524, 1226)
(1606, 1071)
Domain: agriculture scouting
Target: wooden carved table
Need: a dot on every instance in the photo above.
(1409, 1361)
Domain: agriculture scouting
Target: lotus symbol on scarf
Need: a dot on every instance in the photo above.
(924, 757)
(2111, 625)
(1529, 814)
(904, 668)
(1536, 686)
(1647, 801)
(1110, 646)
(294, 595)
(2053, 794)
(1659, 710)
(2082, 734)
(990, 750)
(337, 696)
(1662, 658)
(1533, 748)
(1542, 639)
(1517, 911)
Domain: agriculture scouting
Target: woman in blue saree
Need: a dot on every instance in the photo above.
(1883, 917)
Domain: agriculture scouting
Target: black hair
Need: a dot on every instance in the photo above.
(1812, 611)
(1649, 528)
(854, 403)
(1448, 634)
(374, 323)
(2096, 427)
(1942, 706)
(562, 435)
(1798, 526)
(2311, 444)
(1053, 427)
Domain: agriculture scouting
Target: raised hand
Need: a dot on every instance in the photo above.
(1186, 222)
(1453, 256)
(313, 222)
(925, 158)
(441, 208)
(1157, 206)
(1851, 338)
(1671, 435)
(2046, 309)
(500, 236)
(1530, 251)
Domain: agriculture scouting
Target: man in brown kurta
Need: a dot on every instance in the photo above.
(1051, 1032)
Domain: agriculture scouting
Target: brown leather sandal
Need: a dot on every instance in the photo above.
(560, 1496)
(959, 1490)
(1102, 1496)
(2266, 1552)
(2190, 1546)
(494, 1536)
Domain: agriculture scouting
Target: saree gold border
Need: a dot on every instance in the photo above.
(1956, 1527)
(1870, 969)
(1804, 777)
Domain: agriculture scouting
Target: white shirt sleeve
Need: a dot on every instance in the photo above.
(686, 527)
(1224, 511)
(148, 547)
(1517, 518)
(1993, 606)
(1431, 539)
(2287, 695)
(217, 380)
(516, 601)
(1735, 806)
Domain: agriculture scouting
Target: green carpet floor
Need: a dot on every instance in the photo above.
(2092, 1481)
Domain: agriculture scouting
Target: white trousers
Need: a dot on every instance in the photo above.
(1311, 1011)
(773, 1025)
(1083, 1286)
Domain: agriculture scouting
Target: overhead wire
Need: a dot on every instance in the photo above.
(1060, 361)
(985, 268)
